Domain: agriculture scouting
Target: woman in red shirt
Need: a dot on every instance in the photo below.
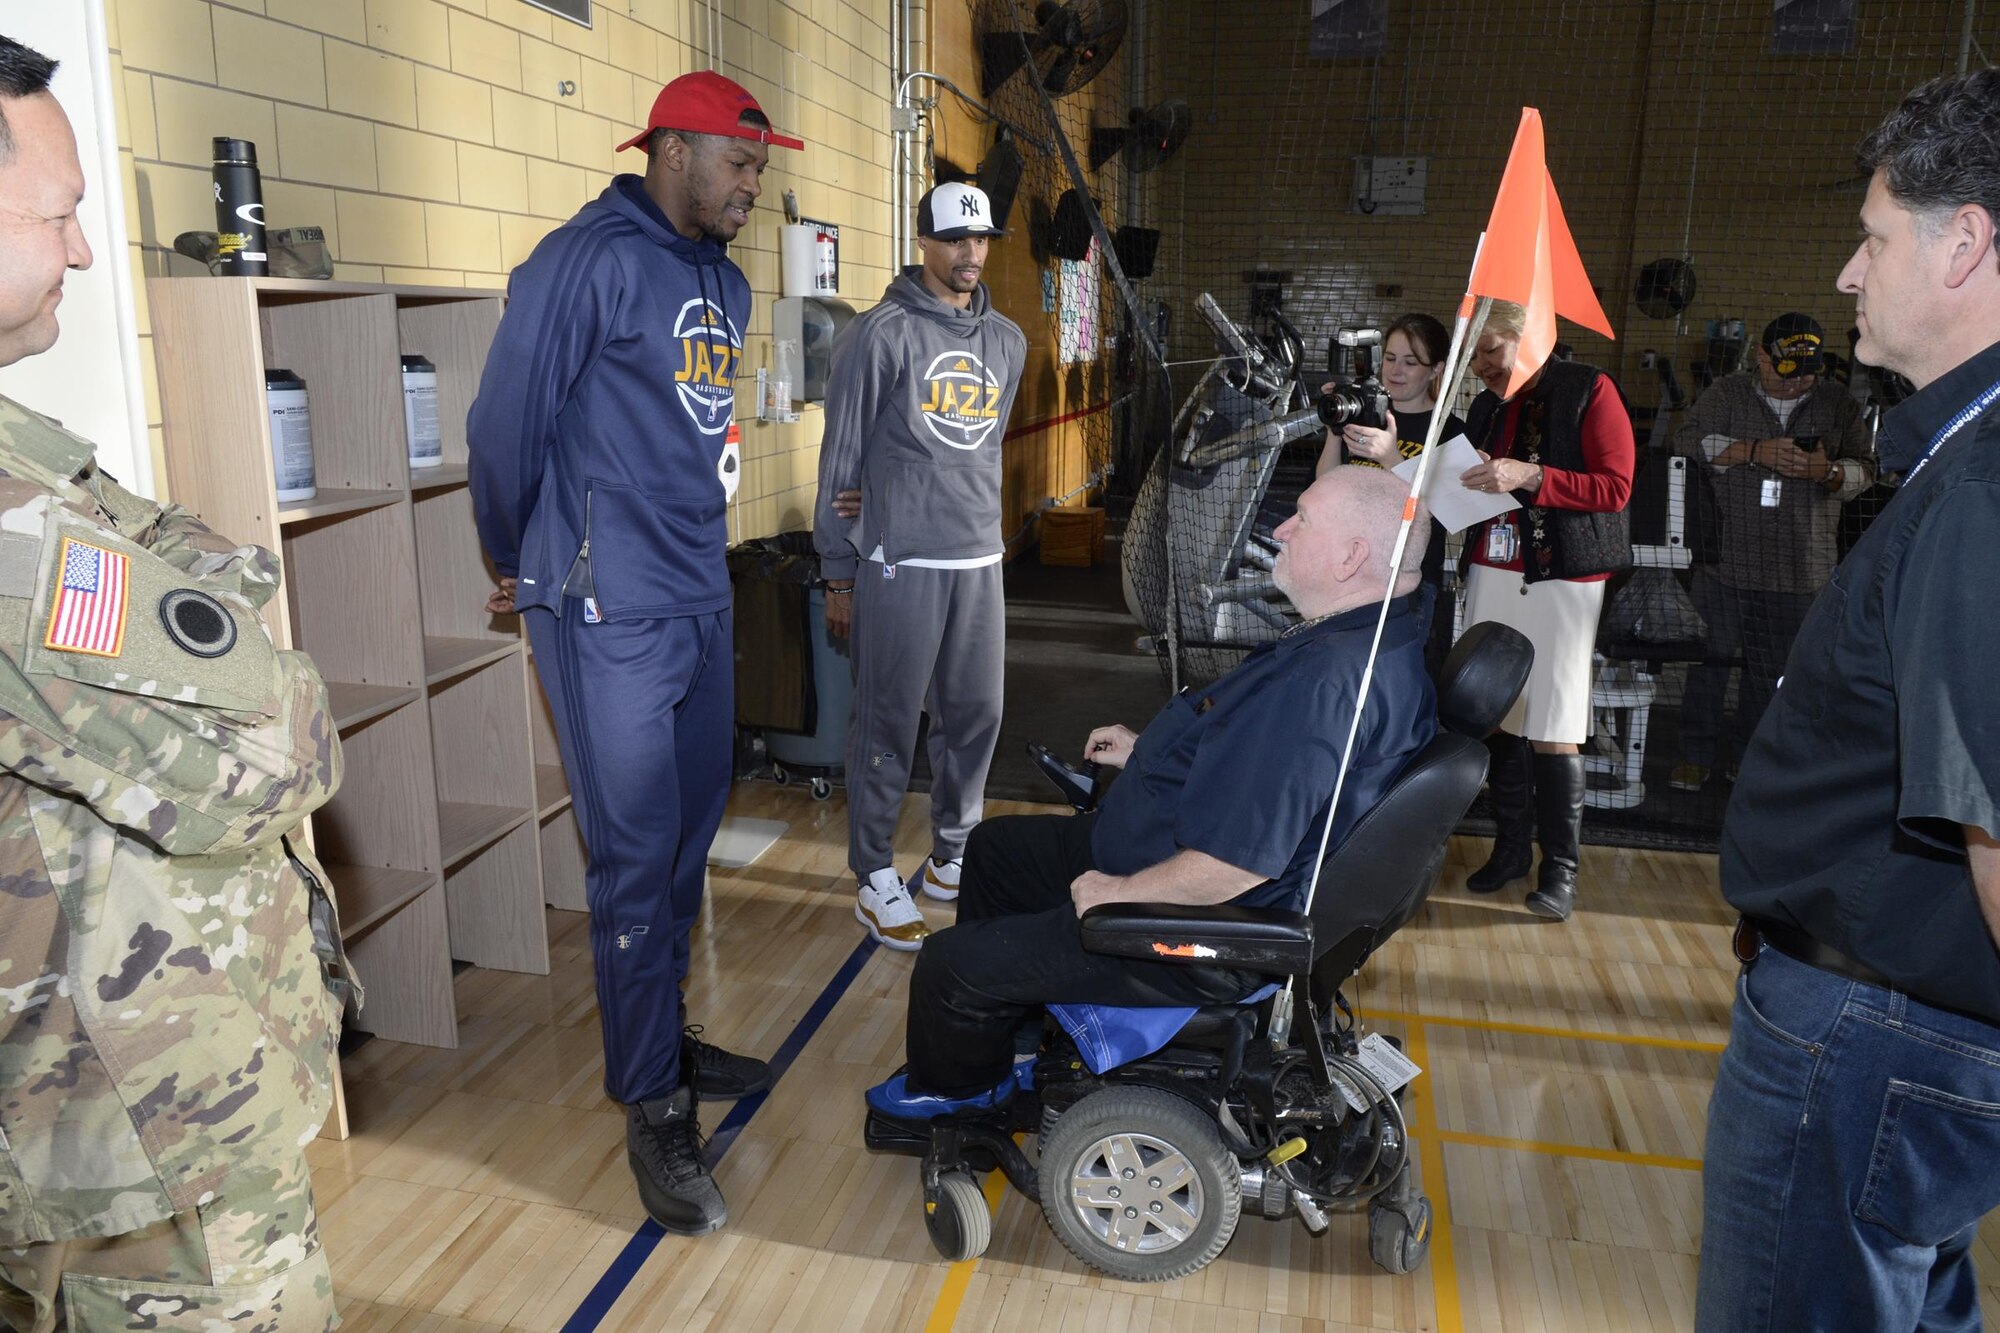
(1563, 446)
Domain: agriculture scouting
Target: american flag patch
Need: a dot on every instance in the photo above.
(89, 611)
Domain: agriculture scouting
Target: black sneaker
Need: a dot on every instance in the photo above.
(663, 1143)
(717, 1074)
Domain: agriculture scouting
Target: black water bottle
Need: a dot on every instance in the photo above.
(239, 209)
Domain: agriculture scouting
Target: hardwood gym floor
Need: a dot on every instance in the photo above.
(1560, 1118)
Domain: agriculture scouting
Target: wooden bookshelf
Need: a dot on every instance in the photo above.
(354, 704)
(563, 858)
(452, 817)
(437, 478)
(445, 656)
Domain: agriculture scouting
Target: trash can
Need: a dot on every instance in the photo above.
(794, 683)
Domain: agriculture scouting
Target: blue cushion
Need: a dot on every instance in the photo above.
(1109, 1035)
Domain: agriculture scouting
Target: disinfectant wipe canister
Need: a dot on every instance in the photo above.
(291, 434)
(239, 210)
(420, 412)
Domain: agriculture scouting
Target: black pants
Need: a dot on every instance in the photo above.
(1017, 946)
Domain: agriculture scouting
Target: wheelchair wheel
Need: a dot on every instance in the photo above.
(1399, 1234)
(1136, 1183)
(957, 1220)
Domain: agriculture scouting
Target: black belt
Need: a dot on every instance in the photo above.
(1801, 947)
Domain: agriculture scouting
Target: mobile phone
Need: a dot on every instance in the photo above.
(1809, 443)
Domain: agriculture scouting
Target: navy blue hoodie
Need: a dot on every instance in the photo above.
(605, 410)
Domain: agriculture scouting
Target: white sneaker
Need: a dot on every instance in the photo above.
(882, 904)
(940, 878)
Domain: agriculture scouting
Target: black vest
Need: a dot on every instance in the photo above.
(1571, 544)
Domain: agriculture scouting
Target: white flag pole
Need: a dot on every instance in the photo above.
(1466, 334)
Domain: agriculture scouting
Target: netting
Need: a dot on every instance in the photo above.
(1704, 154)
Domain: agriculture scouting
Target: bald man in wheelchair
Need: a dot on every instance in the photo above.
(1222, 800)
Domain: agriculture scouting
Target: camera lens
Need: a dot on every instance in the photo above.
(1361, 403)
(1340, 407)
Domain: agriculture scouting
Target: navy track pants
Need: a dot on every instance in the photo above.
(645, 713)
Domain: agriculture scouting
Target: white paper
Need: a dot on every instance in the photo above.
(1452, 504)
(1390, 1067)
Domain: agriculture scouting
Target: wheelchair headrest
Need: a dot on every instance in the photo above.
(1482, 677)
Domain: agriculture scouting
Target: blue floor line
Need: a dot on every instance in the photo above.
(590, 1313)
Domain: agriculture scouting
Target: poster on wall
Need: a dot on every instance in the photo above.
(1812, 27)
(1346, 29)
(1079, 283)
(826, 268)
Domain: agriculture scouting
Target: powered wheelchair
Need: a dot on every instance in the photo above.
(1153, 1137)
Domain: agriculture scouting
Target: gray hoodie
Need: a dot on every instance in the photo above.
(916, 407)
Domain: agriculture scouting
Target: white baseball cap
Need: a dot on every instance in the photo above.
(955, 209)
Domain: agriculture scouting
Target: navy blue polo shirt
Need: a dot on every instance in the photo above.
(1243, 769)
(1884, 739)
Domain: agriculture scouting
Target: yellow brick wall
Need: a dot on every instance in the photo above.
(432, 143)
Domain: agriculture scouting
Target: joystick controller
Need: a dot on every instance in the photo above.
(1079, 786)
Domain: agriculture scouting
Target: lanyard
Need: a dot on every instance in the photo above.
(1967, 415)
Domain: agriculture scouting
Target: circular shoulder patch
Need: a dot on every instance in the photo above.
(197, 623)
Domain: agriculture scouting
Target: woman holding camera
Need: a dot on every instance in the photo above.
(1413, 353)
(1563, 447)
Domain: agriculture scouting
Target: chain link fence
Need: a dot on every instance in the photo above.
(1342, 161)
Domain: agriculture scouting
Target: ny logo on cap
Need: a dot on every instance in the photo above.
(968, 204)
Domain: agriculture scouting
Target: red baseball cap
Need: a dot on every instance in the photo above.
(706, 103)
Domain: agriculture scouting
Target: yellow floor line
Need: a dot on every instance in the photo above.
(1443, 1261)
(944, 1311)
(1571, 1150)
(1530, 1030)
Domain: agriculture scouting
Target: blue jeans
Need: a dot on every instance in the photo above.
(1853, 1146)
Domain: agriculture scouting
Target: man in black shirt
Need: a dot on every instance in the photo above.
(1854, 1133)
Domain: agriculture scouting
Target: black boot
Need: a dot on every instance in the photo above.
(720, 1075)
(1510, 790)
(1559, 826)
(663, 1143)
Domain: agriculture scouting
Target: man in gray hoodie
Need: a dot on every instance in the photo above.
(916, 407)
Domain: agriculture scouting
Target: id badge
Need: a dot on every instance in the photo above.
(1768, 495)
(1500, 543)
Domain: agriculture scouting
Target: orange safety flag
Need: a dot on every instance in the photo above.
(1530, 258)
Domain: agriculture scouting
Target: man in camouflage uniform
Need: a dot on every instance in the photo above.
(167, 959)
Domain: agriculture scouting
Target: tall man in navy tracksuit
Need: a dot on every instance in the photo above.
(601, 470)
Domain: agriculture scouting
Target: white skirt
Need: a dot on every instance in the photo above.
(1560, 619)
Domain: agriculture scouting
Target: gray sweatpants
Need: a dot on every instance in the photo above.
(926, 641)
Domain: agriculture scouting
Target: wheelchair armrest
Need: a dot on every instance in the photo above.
(1256, 939)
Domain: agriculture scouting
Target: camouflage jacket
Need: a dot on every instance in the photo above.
(165, 951)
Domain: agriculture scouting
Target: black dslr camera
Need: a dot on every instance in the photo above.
(1357, 397)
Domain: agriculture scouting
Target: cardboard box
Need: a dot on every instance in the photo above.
(1072, 536)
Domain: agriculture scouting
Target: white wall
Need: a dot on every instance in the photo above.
(90, 379)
